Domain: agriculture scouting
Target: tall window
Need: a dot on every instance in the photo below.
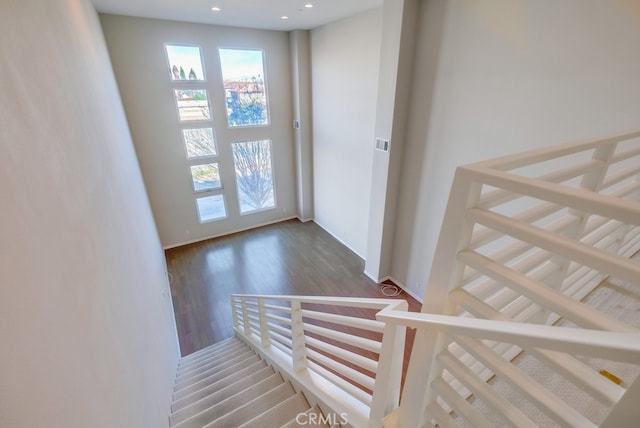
(194, 113)
(209, 154)
(254, 175)
(244, 86)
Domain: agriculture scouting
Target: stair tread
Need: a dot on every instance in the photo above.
(209, 358)
(217, 345)
(281, 413)
(219, 395)
(189, 389)
(253, 408)
(227, 405)
(230, 380)
(208, 352)
(207, 370)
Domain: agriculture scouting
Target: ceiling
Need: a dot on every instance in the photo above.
(261, 14)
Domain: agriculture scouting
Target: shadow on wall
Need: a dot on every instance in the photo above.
(425, 69)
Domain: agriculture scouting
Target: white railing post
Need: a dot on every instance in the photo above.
(386, 392)
(298, 347)
(590, 181)
(265, 340)
(245, 316)
(625, 412)
(234, 313)
(446, 275)
(417, 385)
(455, 235)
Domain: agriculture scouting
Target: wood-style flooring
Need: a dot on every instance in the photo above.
(285, 258)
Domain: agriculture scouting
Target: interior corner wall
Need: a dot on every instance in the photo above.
(345, 58)
(300, 45)
(87, 327)
(501, 77)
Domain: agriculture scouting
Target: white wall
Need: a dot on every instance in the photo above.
(500, 77)
(88, 335)
(345, 60)
(136, 47)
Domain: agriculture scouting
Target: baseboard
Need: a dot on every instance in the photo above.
(193, 241)
(340, 240)
(406, 290)
(305, 220)
(374, 278)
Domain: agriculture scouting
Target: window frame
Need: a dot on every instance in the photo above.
(264, 82)
(168, 63)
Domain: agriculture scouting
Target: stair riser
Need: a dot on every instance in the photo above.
(217, 386)
(229, 385)
(183, 392)
(206, 415)
(219, 395)
(253, 408)
(212, 348)
(280, 414)
(206, 371)
(217, 357)
(191, 360)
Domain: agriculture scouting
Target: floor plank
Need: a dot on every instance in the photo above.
(285, 258)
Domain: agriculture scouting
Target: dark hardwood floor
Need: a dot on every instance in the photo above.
(284, 258)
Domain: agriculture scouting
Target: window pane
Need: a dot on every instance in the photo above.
(243, 76)
(185, 62)
(199, 142)
(205, 177)
(252, 161)
(211, 208)
(193, 104)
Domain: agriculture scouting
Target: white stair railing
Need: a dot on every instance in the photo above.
(476, 336)
(333, 347)
(508, 325)
(525, 239)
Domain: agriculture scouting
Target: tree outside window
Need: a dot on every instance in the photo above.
(254, 177)
(244, 86)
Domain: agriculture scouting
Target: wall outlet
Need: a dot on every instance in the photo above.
(382, 144)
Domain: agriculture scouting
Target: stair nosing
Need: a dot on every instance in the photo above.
(274, 377)
(203, 381)
(261, 363)
(207, 352)
(253, 402)
(217, 345)
(287, 402)
(189, 375)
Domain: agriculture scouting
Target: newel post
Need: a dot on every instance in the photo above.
(446, 275)
(386, 390)
(298, 346)
(625, 411)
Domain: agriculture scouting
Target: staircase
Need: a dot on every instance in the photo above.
(530, 316)
(229, 385)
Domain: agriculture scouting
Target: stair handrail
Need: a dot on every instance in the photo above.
(594, 343)
(525, 237)
(624, 346)
(256, 321)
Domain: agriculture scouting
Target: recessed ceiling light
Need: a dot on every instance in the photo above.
(284, 17)
(215, 9)
(308, 5)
